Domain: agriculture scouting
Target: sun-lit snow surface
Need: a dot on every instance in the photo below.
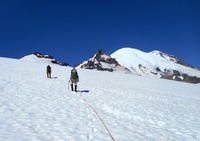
(134, 108)
(131, 58)
(34, 58)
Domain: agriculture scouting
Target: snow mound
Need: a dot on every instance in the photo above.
(34, 58)
(40, 58)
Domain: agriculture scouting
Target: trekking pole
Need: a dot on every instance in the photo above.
(68, 84)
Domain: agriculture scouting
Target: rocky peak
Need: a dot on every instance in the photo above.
(103, 62)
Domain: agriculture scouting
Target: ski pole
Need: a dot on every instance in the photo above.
(68, 84)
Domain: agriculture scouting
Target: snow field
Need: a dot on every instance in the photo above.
(147, 108)
(35, 108)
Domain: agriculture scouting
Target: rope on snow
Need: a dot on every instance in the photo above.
(98, 117)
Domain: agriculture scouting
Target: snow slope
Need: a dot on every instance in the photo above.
(47, 59)
(146, 63)
(133, 108)
(34, 58)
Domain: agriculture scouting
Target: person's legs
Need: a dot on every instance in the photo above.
(48, 74)
(72, 86)
(75, 86)
(72, 82)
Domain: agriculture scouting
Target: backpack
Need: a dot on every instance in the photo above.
(74, 74)
(48, 69)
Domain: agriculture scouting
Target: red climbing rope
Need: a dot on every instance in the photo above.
(98, 117)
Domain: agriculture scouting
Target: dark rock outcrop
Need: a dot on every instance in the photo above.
(102, 62)
(176, 75)
(54, 61)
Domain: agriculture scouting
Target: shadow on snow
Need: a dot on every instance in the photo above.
(83, 91)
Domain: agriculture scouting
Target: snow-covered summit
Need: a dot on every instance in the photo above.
(155, 63)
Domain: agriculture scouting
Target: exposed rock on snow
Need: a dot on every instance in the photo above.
(176, 75)
(103, 62)
(38, 57)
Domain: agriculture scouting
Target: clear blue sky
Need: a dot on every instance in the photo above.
(73, 30)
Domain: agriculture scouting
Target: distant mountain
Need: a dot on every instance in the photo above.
(103, 62)
(130, 60)
(156, 63)
(38, 57)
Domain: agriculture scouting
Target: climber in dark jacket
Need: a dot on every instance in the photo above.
(48, 71)
(74, 79)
